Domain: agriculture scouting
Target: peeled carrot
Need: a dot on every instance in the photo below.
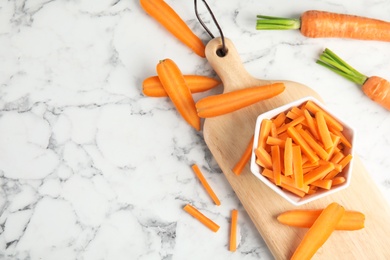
(265, 129)
(205, 184)
(152, 86)
(319, 232)
(276, 167)
(321, 24)
(202, 218)
(374, 87)
(233, 231)
(168, 18)
(351, 220)
(175, 86)
(221, 104)
(244, 159)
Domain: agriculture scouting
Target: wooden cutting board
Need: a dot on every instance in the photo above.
(227, 137)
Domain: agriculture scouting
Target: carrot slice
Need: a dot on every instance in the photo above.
(174, 84)
(294, 134)
(311, 124)
(325, 184)
(233, 231)
(304, 218)
(319, 232)
(275, 141)
(244, 159)
(279, 119)
(265, 129)
(275, 155)
(330, 120)
(314, 144)
(317, 173)
(294, 122)
(288, 157)
(338, 180)
(297, 166)
(202, 218)
(152, 86)
(263, 157)
(323, 130)
(221, 104)
(205, 184)
(170, 20)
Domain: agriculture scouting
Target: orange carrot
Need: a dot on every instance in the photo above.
(275, 141)
(297, 166)
(237, 169)
(314, 144)
(374, 87)
(331, 121)
(338, 180)
(168, 18)
(321, 24)
(152, 86)
(293, 133)
(319, 232)
(325, 184)
(275, 155)
(265, 128)
(294, 122)
(202, 218)
(288, 157)
(221, 104)
(205, 184)
(233, 231)
(174, 84)
(317, 173)
(279, 120)
(311, 124)
(263, 157)
(323, 130)
(304, 218)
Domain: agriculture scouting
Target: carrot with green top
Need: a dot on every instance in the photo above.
(319, 232)
(221, 104)
(168, 18)
(152, 86)
(322, 24)
(175, 85)
(374, 87)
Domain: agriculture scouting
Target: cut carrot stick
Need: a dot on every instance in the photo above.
(323, 130)
(288, 157)
(322, 24)
(275, 141)
(343, 162)
(275, 155)
(297, 166)
(338, 180)
(324, 184)
(304, 218)
(314, 144)
(168, 18)
(318, 173)
(202, 218)
(205, 184)
(311, 124)
(374, 87)
(293, 133)
(319, 232)
(279, 120)
(233, 231)
(174, 84)
(239, 166)
(263, 157)
(285, 181)
(152, 86)
(294, 122)
(265, 129)
(330, 120)
(221, 104)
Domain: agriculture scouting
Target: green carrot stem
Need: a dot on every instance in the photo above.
(333, 62)
(276, 23)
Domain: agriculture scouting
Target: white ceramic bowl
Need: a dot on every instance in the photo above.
(348, 132)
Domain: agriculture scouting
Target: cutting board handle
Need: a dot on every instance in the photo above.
(229, 67)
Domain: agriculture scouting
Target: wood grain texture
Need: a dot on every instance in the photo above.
(227, 137)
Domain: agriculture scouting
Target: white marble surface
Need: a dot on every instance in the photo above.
(92, 169)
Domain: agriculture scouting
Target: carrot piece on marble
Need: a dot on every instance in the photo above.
(205, 184)
(201, 217)
(233, 231)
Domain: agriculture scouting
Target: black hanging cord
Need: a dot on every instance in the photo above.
(223, 51)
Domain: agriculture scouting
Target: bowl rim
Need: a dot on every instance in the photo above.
(290, 197)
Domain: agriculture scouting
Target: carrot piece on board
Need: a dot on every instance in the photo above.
(319, 232)
(306, 149)
(321, 24)
(205, 184)
(202, 218)
(323, 130)
(374, 87)
(224, 103)
(244, 159)
(265, 129)
(152, 86)
(263, 157)
(304, 218)
(168, 18)
(174, 84)
(297, 166)
(288, 157)
(233, 231)
(275, 155)
(317, 173)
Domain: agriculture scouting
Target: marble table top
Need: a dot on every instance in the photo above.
(90, 168)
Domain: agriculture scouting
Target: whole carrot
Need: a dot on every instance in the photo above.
(175, 86)
(221, 104)
(167, 17)
(152, 86)
(319, 232)
(317, 24)
(374, 87)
